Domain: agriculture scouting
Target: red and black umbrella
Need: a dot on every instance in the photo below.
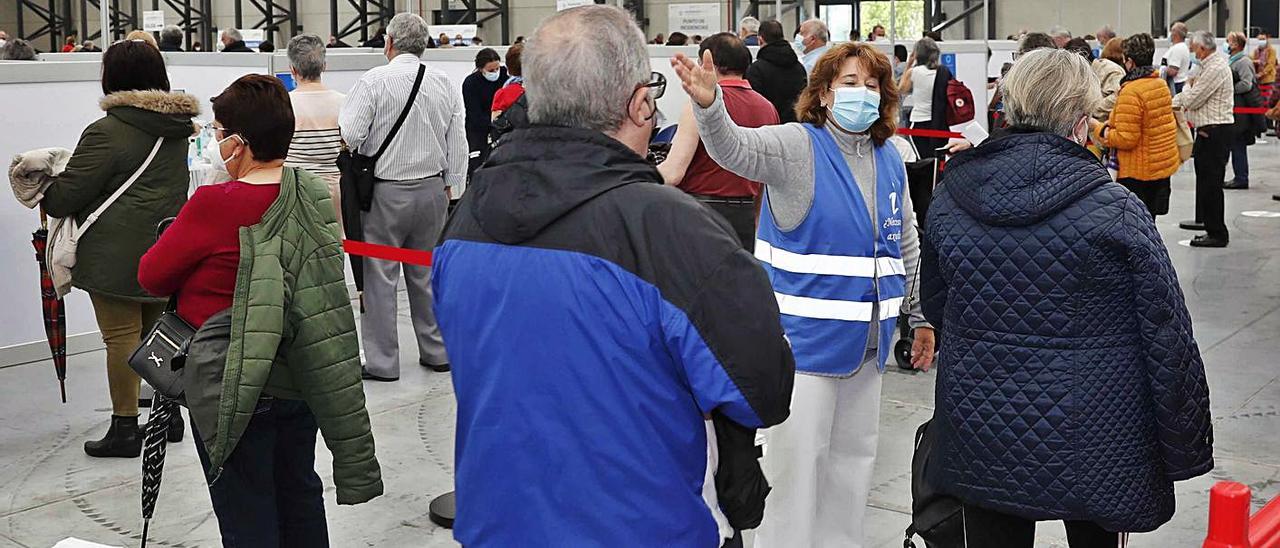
(55, 314)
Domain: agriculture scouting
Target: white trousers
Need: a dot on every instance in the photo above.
(820, 462)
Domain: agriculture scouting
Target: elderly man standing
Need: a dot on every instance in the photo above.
(812, 41)
(749, 31)
(1104, 35)
(1060, 36)
(409, 199)
(170, 38)
(233, 42)
(1208, 103)
(1177, 60)
(595, 317)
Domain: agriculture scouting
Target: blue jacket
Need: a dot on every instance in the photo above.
(1069, 384)
(593, 318)
(839, 270)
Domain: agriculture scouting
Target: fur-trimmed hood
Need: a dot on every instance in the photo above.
(159, 113)
(163, 102)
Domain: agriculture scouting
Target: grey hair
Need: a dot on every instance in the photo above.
(927, 53)
(1057, 108)
(1106, 30)
(233, 34)
(1178, 29)
(1239, 38)
(17, 49)
(408, 33)
(306, 54)
(1204, 39)
(818, 29)
(750, 24)
(171, 34)
(582, 66)
(1059, 31)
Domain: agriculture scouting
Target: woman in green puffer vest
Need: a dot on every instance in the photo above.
(258, 257)
(139, 109)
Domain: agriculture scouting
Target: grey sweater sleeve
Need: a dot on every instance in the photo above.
(779, 157)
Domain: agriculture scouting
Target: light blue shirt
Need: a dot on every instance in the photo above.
(811, 58)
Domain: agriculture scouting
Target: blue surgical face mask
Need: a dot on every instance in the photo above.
(855, 109)
(491, 76)
(799, 42)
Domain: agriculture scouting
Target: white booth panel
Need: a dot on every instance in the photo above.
(38, 115)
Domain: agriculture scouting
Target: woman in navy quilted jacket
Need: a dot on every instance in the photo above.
(1069, 386)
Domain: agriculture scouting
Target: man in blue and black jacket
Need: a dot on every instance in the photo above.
(608, 334)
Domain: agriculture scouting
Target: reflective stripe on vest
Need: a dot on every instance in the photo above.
(833, 271)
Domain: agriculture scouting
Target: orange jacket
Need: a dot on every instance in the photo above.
(1143, 131)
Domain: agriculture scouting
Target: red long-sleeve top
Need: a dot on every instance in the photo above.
(198, 255)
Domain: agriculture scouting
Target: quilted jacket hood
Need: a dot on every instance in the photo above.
(1023, 178)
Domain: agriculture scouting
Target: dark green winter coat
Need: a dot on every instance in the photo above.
(109, 151)
(293, 335)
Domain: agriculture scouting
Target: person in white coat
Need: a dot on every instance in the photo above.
(840, 279)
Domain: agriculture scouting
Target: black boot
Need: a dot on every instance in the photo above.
(122, 440)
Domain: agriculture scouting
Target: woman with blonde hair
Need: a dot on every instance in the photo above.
(840, 279)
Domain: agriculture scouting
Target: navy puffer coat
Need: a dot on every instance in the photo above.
(1069, 384)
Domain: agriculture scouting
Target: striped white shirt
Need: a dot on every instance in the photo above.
(316, 138)
(433, 139)
(1209, 100)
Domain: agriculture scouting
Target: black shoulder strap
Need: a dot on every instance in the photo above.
(413, 94)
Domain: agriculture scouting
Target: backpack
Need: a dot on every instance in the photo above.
(959, 103)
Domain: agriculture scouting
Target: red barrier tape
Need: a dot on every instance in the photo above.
(1251, 110)
(388, 253)
(932, 133)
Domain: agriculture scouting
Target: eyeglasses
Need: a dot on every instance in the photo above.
(218, 130)
(657, 85)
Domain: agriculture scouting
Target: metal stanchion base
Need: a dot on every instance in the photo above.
(443, 509)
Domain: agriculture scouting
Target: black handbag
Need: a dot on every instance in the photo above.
(358, 170)
(936, 517)
(160, 358)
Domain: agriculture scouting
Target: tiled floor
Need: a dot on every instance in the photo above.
(50, 490)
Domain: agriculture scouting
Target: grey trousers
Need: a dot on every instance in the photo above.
(407, 214)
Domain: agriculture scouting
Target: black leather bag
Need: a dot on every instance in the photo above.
(358, 170)
(936, 517)
(160, 358)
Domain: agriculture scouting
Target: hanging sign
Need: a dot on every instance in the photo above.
(693, 19)
(153, 21)
(562, 5)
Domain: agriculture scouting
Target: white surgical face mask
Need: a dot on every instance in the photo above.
(213, 153)
(492, 76)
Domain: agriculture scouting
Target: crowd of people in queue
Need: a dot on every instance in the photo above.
(618, 331)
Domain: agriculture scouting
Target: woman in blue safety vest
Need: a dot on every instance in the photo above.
(837, 239)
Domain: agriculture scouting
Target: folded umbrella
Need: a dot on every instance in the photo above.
(153, 452)
(55, 314)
